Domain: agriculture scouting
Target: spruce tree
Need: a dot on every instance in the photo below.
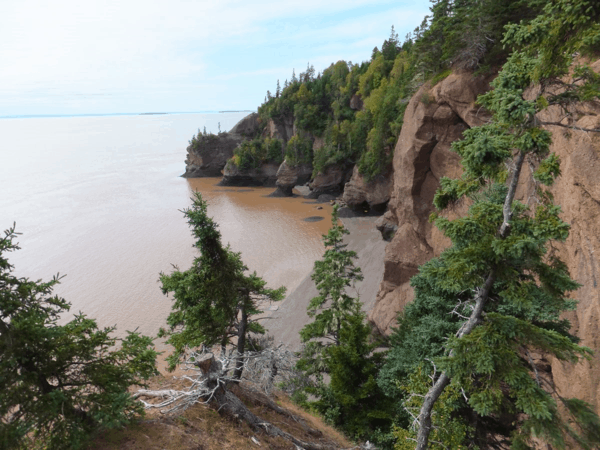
(501, 280)
(333, 275)
(215, 299)
(60, 383)
(339, 344)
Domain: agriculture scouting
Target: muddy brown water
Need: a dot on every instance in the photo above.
(98, 199)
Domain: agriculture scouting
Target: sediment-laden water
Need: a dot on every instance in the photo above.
(98, 199)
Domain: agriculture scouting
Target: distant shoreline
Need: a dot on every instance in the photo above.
(50, 116)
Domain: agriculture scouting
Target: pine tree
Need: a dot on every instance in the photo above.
(59, 383)
(214, 299)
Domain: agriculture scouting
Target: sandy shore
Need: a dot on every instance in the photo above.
(285, 319)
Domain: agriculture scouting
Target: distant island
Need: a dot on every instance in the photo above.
(236, 111)
(152, 113)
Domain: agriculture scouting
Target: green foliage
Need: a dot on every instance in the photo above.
(502, 395)
(251, 154)
(298, 151)
(321, 106)
(59, 383)
(338, 343)
(450, 431)
(332, 275)
(352, 401)
(210, 295)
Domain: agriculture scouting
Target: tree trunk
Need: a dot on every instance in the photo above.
(241, 343)
(474, 319)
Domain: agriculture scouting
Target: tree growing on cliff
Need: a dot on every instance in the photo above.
(59, 383)
(214, 299)
(501, 278)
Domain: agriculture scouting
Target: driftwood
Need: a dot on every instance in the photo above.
(211, 381)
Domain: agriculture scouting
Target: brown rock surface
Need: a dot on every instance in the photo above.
(265, 175)
(577, 191)
(290, 176)
(436, 117)
(331, 181)
(356, 102)
(281, 129)
(375, 193)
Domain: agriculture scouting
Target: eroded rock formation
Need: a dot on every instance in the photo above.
(373, 194)
(265, 175)
(331, 181)
(207, 156)
(435, 117)
(290, 176)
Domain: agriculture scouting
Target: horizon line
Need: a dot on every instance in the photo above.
(38, 116)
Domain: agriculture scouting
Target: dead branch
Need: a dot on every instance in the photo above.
(211, 377)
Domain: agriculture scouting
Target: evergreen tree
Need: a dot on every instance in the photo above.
(339, 343)
(500, 278)
(59, 383)
(214, 299)
(333, 275)
(352, 401)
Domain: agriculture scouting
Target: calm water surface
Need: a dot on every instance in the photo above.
(98, 199)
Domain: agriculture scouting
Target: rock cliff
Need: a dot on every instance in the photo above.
(265, 175)
(208, 154)
(374, 194)
(435, 117)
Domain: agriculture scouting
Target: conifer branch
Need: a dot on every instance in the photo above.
(475, 318)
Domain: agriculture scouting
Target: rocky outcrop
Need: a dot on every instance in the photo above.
(434, 118)
(330, 182)
(208, 154)
(375, 194)
(290, 176)
(248, 127)
(280, 129)
(356, 102)
(265, 175)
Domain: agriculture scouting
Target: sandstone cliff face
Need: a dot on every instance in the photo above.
(437, 116)
(577, 191)
(329, 182)
(208, 156)
(374, 194)
(290, 176)
(282, 129)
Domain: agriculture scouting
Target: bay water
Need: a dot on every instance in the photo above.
(98, 198)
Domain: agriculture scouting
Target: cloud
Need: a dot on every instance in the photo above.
(118, 47)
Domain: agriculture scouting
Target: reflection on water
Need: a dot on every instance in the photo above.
(99, 198)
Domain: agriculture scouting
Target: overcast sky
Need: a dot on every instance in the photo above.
(121, 56)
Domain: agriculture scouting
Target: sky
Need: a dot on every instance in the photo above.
(134, 56)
